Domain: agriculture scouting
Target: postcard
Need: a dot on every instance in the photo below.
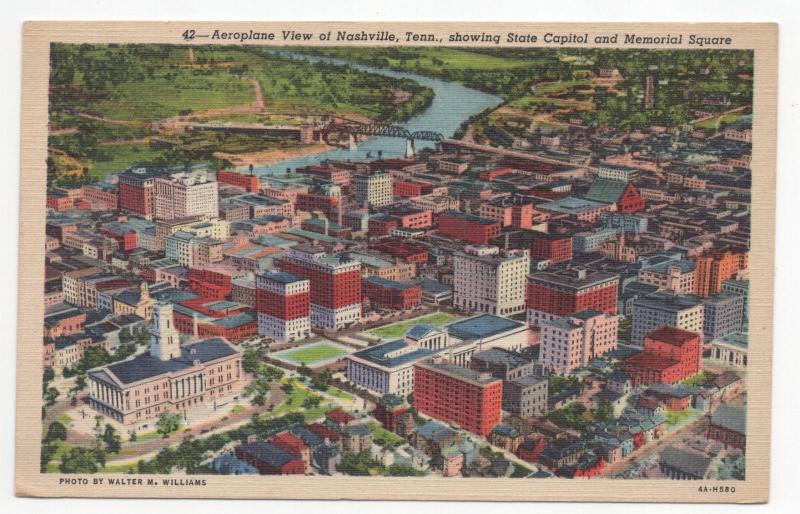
(396, 261)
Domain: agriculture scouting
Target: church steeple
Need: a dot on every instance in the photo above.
(165, 343)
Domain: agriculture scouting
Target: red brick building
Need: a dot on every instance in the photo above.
(458, 395)
(283, 303)
(411, 188)
(102, 193)
(728, 426)
(468, 227)
(623, 194)
(213, 281)
(389, 294)
(411, 252)
(136, 188)
(295, 446)
(489, 176)
(670, 355)
(552, 247)
(412, 218)
(335, 284)
(552, 295)
(332, 174)
(269, 459)
(125, 236)
(250, 183)
(630, 200)
(317, 201)
(381, 224)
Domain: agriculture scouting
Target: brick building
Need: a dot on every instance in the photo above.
(283, 306)
(555, 294)
(669, 356)
(551, 247)
(335, 283)
(459, 395)
(468, 227)
(390, 294)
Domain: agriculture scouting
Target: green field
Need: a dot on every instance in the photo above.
(719, 122)
(676, 417)
(384, 437)
(399, 329)
(312, 354)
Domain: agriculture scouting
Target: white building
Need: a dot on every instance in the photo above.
(572, 341)
(663, 309)
(186, 194)
(622, 173)
(674, 276)
(388, 368)
(374, 189)
(484, 280)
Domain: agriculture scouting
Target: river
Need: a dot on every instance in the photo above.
(452, 105)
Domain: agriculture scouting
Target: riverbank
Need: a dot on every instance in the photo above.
(269, 157)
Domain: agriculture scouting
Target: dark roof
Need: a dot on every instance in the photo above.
(386, 354)
(672, 335)
(689, 461)
(145, 366)
(731, 418)
(485, 325)
(435, 431)
(267, 453)
(502, 357)
(606, 190)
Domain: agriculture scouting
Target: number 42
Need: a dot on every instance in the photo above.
(188, 35)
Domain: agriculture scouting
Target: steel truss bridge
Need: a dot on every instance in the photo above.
(379, 129)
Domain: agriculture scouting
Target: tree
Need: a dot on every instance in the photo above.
(287, 388)
(93, 357)
(79, 460)
(50, 395)
(48, 451)
(56, 430)
(48, 375)
(257, 390)
(112, 439)
(252, 358)
(604, 411)
(80, 383)
(168, 423)
(322, 380)
(311, 402)
(125, 336)
(304, 370)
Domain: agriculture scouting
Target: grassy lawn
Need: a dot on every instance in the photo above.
(384, 437)
(174, 93)
(560, 86)
(122, 157)
(720, 121)
(399, 329)
(314, 353)
(697, 379)
(64, 420)
(344, 395)
(676, 417)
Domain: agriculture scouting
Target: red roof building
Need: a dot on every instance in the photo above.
(459, 395)
(390, 294)
(555, 294)
(468, 227)
(338, 417)
(670, 355)
(293, 445)
(552, 247)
